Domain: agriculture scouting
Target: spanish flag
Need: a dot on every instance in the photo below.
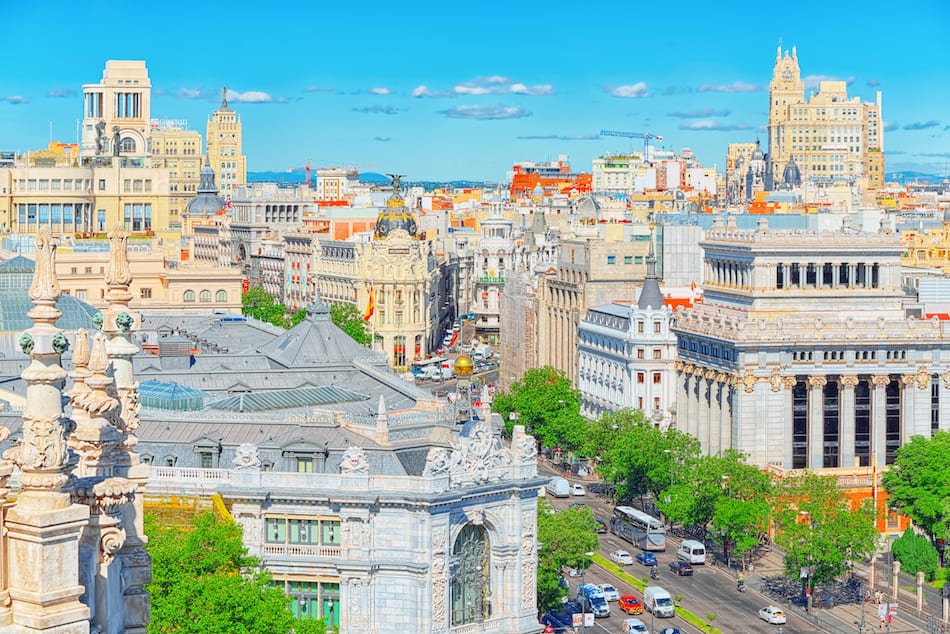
(370, 305)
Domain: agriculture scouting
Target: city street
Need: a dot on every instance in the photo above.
(709, 591)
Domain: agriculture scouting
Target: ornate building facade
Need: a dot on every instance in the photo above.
(225, 146)
(802, 355)
(829, 135)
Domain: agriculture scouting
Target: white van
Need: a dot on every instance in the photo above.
(558, 487)
(692, 551)
(658, 601)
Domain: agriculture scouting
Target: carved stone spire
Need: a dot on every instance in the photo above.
(96, 439)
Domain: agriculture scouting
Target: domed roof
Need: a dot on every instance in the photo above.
(588, 207)
(792, 176)
(206, 202)
(757, 154)
(538, 190)
(463, 365)
(395, 217)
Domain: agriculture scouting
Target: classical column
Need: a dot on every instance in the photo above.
(878, 420)
(702, 420)
(816, 420)
(689, 405)
(725, 410)
(715, 412)
(846, 437)
(907, 411)
(944, 406)
(788, 383)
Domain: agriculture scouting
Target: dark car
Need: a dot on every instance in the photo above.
(561, 620)
(670, 630)
(647, 559)
(601, 526)
(681, 568)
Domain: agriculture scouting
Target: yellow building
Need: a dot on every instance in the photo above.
(179, 151)
(224, 147)
(85, 200)
(829, 135)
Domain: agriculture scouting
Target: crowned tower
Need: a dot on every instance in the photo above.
(785, 90)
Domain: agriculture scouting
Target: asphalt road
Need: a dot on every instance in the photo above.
(709, 591)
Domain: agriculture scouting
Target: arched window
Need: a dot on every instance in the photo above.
(189, 296)
(221, 296)
(204, 296)
(127, 146)
(471, 588)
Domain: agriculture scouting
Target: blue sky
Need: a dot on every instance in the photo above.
(454, 90)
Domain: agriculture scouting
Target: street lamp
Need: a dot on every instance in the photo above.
(804, 517)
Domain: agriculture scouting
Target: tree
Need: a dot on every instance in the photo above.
(818, 529)
(261, 305)
(566, 538)
(918, 483)
(347, 318)
(203, 581)
(916, 553)
(741, 515)
(547, 405)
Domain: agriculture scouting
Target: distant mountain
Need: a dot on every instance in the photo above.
(910, 176)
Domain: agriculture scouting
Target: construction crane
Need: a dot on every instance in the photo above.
(646, 136)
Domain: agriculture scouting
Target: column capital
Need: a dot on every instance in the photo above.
(881, 380)
(678, 365)
(945, 377)
(788, 382)
(850, 381)
(722, 377)
(709, 374)
(748, 381)
(923, 377)
(817, 381)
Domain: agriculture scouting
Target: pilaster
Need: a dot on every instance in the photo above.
(847, 436)
(816, 419)
(879, 383)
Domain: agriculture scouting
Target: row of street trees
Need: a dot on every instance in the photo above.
(723, 496)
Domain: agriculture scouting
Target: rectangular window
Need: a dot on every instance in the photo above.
(640, 327)
(80, 293)
(657, 353)
(657, 327)
(628, 259)
(641, 354)
(206, 460)
(102, 184)
(304, 464)
(145, 293)
(657, 378)
(641, 377)
(611, 259)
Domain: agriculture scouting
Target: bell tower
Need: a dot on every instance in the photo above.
(785, 90)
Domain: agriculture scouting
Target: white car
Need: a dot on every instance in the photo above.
(634, 626)
(772, 614)
(610, 592)
(621, 557)
(577, 489)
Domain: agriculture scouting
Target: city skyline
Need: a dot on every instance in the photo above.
(441, 92)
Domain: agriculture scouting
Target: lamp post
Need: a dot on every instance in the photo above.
(805, 518)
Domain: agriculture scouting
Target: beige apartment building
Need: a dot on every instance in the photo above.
(116, 113)
(591, 271)
(157, 283)
(829, 135)
(224, 141)
(178, 150)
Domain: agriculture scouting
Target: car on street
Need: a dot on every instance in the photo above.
(634, 626)
(577, 489)
(621, 557)
(647, 559)
(681, 568)
(561, 620)
(610, 592)
(630, 604)
(601, 526)
(670, 630)
(772, 614)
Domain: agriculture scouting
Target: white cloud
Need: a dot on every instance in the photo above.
(379, 91)
(250, 96)
(633, 91)
(736, 86)
(535, 91)
(708, 125)
(15, 99)
(496, 111)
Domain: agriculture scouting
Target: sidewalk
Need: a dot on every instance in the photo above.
(843, 617)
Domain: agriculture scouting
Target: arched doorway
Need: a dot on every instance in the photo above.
(471, 582)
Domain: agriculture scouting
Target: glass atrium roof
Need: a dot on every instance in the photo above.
(285, 399)
(170, 396)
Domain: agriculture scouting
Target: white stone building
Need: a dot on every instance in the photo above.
(802, 354)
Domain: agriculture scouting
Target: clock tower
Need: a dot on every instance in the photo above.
(785, 90)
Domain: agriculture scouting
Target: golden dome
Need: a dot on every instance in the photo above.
(463, 365)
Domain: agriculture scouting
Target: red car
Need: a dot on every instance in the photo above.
(630, 604)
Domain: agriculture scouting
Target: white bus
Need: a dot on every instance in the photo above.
(637, 527)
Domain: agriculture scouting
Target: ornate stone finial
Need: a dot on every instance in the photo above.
(44, 289)
(354, 462)
(81, 349)
(118, 272)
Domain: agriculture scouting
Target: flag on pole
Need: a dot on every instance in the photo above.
(370, 305)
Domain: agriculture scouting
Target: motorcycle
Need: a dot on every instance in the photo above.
(654, 574)
(740, 585)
